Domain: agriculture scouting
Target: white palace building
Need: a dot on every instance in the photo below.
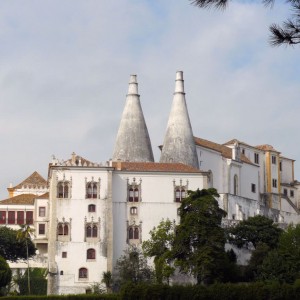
(85, 214)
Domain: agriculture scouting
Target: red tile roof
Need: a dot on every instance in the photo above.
(266, 148)
(154, 167)
(23, 199)
(34, 181)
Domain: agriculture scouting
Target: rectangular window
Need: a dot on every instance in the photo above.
(42, 228)
(253, 188)
(20, 217)
(280, 166)
(64, 254)
(29, 217)
(11, 217)
(285, 192)
(291, 193)
(256, 158)
(2, 217)
(42, 211)
(274, 183)
(273, 160)
(243, 151)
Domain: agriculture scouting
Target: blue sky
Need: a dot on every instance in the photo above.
(65, 66)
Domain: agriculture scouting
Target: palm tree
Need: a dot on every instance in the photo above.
(24, 233)
(107, 280)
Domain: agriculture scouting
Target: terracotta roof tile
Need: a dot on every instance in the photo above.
(34, 180)
(266, 148)
(154, 167)
(44, 196)
(224, 150)
(23, 199)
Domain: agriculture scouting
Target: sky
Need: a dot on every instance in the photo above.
(65, 67)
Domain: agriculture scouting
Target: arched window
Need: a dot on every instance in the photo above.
(63, 229)
(133, 210)
(83, 273)
(133, 233)
(92, 208)
(235, 185)
(92, 190)
(91, 254)
(180, 194)
(63, 189)
(91, 231)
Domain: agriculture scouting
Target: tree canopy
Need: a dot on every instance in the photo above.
(5, 273)
(13, 249)
(159, 246)
(287, 33)
(199, 244)
(254, 230)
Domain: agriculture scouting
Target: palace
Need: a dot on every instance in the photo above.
(86, 214)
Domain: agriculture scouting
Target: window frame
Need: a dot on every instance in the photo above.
(63, 189)
(83, 273)
(256, 158)
(91, 254)
(42, 229)
(42, 211)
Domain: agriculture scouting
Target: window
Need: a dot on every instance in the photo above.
(253, 188)
(63, 229)
(133, 210)
(291, 193)
(280, 166)
(11, 217)
(285, 192)
(91, 190)
(42, 228)
(243, 151)
(29, 217)
(92, 208)
(134, 194)
(42, 211)
(2, 217)
(63, 189)
(180, 194)
(61, 273)
(133, 233)
(91, 254)
(235, 185)
(64, 254)
(273, 160)
(256, 158)
(274, 183)
(83, 273)
(20, 217)
(91, 231)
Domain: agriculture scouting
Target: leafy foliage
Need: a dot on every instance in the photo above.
(283, 263)
(159, 246)
(107, 280)
(254, 230)
(199, 240)
(133, 267)
(5, 273)
(13, 249)
(288, 33)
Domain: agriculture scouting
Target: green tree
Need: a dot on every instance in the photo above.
(24, 234)
(132, 267)
(288, 33)
(13, 249)
(159, 246)
(199, 239)
(5, 273)
(283, 263)
(254, 230)
(107, 280)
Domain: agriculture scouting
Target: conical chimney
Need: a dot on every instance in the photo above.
(133, 142)
(179, 145)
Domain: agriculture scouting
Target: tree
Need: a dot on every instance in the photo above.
(283, 263)
(13, 249)
(254, 230)
(132, 267)
(199, 239)
(159, 246)
(24, 235)
(288, 33)
(5, 273)
(107, 280)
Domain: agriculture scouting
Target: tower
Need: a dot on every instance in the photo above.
(133, 142)
(179, 145)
